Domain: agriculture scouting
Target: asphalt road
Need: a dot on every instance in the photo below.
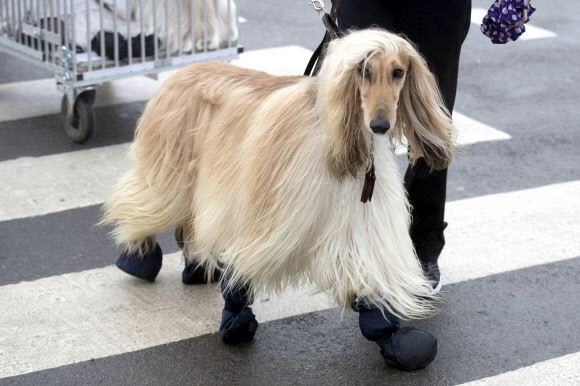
(513, 256)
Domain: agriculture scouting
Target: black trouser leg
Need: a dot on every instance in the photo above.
(438, 28)
(427, 192)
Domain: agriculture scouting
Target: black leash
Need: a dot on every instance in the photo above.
(332, 32)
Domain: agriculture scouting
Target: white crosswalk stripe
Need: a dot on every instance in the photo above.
(562, 371)
(42, 185)
(108, 312)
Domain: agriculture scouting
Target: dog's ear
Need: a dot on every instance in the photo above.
(422, 116)
(339, 99)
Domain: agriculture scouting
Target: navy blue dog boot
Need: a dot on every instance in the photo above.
(237, 325)
(409, 349)
(146, 267)
(196, 274)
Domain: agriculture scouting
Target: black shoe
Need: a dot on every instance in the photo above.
(146, 267)
(431, 270)
(197, 274)
(409, 349)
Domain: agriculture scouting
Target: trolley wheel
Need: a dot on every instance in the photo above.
(80, 127)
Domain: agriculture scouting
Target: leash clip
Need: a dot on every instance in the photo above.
(318, 6)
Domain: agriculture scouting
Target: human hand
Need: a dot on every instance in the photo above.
(525, 15)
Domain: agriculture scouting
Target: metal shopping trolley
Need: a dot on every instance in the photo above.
(89, 42)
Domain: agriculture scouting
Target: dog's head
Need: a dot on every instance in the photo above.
(375, 83)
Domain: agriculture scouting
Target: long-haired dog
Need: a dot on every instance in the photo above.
(174, 20)
(213, 22)
(265, 173)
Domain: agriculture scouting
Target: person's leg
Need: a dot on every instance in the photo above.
(406, 348)
(427, 191)
(353, 14)
(238, 323)
(438, 28)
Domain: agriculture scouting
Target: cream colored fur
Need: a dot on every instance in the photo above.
(216, 22)
(253, 167)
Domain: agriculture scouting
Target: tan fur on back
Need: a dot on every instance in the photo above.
(265, 173)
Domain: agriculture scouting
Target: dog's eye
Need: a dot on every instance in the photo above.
(365, 73)
(398, 74)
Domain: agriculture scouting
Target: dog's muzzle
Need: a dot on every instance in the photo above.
(380, 125)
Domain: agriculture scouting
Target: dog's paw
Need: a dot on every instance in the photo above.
(146, 267)
(197, 274)
(238, 327)
(212, 44)
(409, 349)
(199, 46)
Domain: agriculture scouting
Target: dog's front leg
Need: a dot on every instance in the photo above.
(406, 348)
(239, 323)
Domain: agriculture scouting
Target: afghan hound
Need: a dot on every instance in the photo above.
(173, 21)
(265, 173)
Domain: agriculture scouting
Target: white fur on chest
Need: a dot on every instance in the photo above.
(345, 213)
(345, 247)
(319, 231)
(362, 248)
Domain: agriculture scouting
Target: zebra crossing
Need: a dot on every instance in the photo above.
(104, 306)
(98, 325)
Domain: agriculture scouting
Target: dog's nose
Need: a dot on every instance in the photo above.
(380, 125)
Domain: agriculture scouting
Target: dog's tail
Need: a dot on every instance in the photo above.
(138, 211)
(156, 194)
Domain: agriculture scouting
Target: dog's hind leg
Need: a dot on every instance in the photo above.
(238, 323)
(194, 272)
(140, 211)
(145, 266)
